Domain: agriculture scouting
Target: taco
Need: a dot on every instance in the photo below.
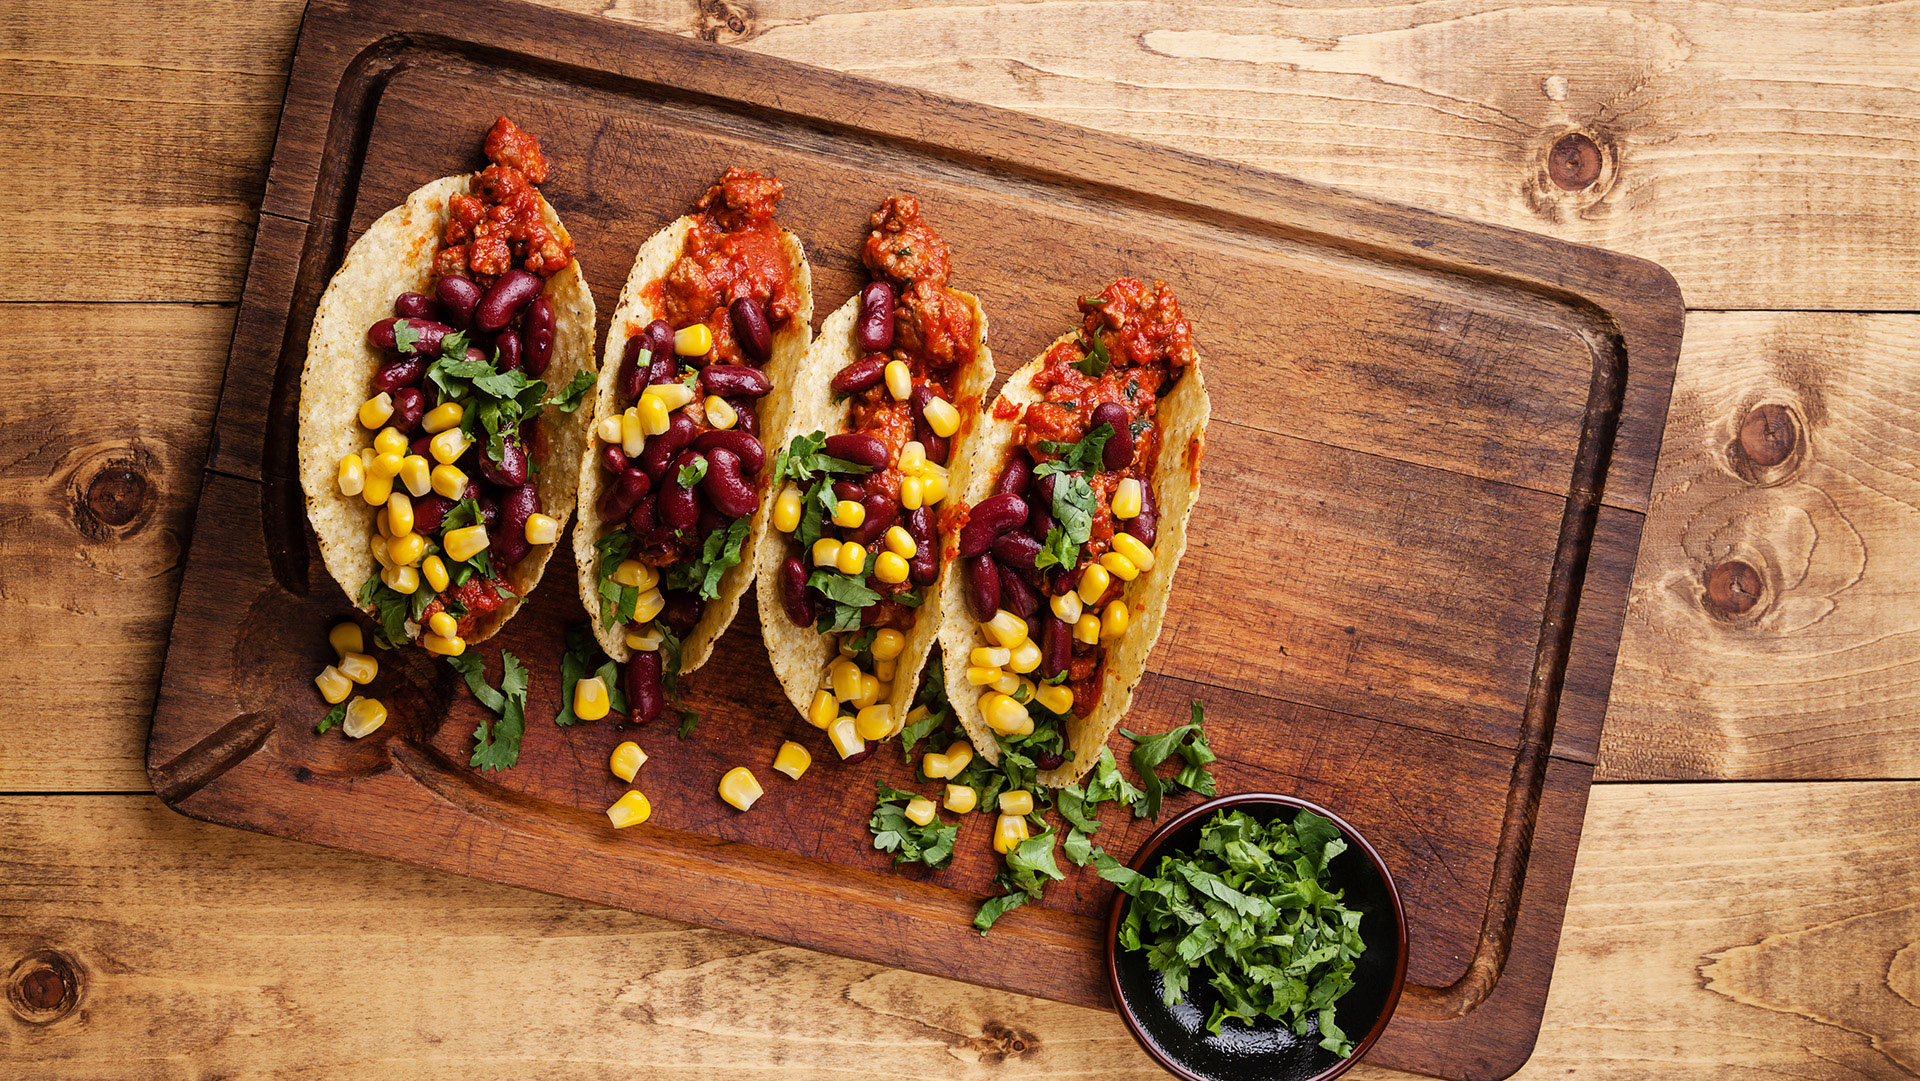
(439, 426)
(883, 412)
(710, 329)
(1075, 519)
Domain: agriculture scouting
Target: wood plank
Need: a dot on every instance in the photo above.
(1708, 930)
(1451, 105)
(107, 433)
(1809, 667)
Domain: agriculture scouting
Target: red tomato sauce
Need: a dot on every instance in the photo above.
(499, 225)
(733, 250)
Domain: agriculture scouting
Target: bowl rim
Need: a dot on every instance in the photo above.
(1150, 848)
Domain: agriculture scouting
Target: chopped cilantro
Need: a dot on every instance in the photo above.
(583, 658)
(893, 831)
(691, 473)
(719, 554)
(1093, 364)
(996, 907)
(570, 396)
(1190, 743)
(497, 740)
(334, 716)
(616, 601)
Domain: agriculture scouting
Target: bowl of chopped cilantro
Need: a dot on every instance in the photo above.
(1256, 936)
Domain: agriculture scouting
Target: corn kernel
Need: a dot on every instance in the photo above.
(448, 481)
(434, 570)
(401, 579)
(390, 441)
(466, 542)
(381, 524)
(874, 722)
(1093, 583)
(1008, 832)
(1026, 657)
(346, 638)
(416, 475)
(445, 647)
(933, 489)
(901, 543)
(845, 676)
(912, 493)
(787, 509)
(334, 686)
(541, 529)
(1126, 498)
(448, 446)
(720, 412)
(378, 546)
(890, 568)
(366, 457)
(671, 395)
(590, 700)
(826, 552)
(1086, 630)
(1066, 607)
(629, 810)
(845, 737)
(1007, 684)
(981, 676)
(848, 514)
(650, 604)
(632, 572)
(634, 427)
(611, 428)
(1119, 566)
(1113, 622)
(385, 467)
(645, 641)
(740, 787)
(887, 644)
(792, 759)
(626, 760)
(990, 656)
(694, 341)
(1005, 629)
(363, 716)
(1017, 802)
(1054, 697)
(353, 475)
(443, 624)
(443, 416)
(899, 380)
(959, 756)
(407, 550)
(852, 559)
(1137, 553)
(960, 798)
(913, 457)
(376, 488)
(399, 521)
(942, 417)
(1003, 714)
(869, 691)
(823, 709)
(920, 810)
(935, 765)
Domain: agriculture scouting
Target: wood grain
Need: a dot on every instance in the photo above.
(1709, 930)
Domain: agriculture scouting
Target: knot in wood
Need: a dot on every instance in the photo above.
(1733, 588)
(113, 495)
(725, 20)
(1769, 435)
(999, 1041)
(43, 987)
(1573, 162)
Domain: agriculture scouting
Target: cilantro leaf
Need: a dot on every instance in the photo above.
(1031, 862)
(1088, 454)
(334, 716)
(404, 336)
(1093, 364)
(583, 658)
(995, 907)
(390, 609)
(691, 473)
(616, 601)
(908, 841)
(718, 554)
(497, 740)
(1190, 743)
(569, 397)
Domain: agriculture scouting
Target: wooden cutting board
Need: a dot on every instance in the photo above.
(1430, 457)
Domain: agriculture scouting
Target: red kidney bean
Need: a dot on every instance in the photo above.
(1048, 759)
(983, 585)
(662, 448)
(633, 377)
(400, 373)
(873, 328)
(858, 447)
(920, 526)
(849, 490)
(509, 542)
(749, 422)
(865, 752)
(679, 507)
(1118, 452)
(409, 405)
(623, 494)
(858, 376)
(743, 446)
(536, 336)
(489, 510)
(1015, 594)
(426, 343)
(1056, 645)
(880, 512)
(750, 328)
(729, 492)
(682, 612)
(644, 693)
(665, 366)
(612, 458)
(477, 355)
(1015, 479)
(503, 299)
(924, 567)
(995, 515)
(512, 468)
(795, 597)
(1016, 550)
(1145, 526)
(459, 296)
(710, 519)
(380, 335)
(646, 515)
(506, 348)
(471, 491)
(421, 446)
(939, 447)
(735, 381)
(428, 512)
(415, 306)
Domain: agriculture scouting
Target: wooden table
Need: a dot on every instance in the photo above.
(1747, 897)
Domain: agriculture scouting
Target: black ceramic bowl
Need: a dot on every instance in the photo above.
(1177, 1037)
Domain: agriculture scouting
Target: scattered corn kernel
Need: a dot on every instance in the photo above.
(1017, 802)
(1054, 697)
(1137, 553)
(694, 341)
(1003, 714)
(629, 810)
(399, 514)
(334, 687)
(1126, 498)
(416, 473)
(887, 644)
(826, 552)
(942, 417)
(845, 677)
(448, 481)
(981, 676)
(363, 716)
(920, 810)
(935, 765)
(638, 422)
(353, 475)
(901, 543)
(443, 624)
(960, 798)
(376, 488)
(869, 691)
(959, 756)
(823, 709)
(1005, 629)
(390, 441)
(852, 558)
(720, 412)
(448, 446)
(913, 456)
(890, 568)
(1086, 630)
(632, 572)
(407, 550)
(1119, 566)
(1008, 832)
(611, 428)
(590, 700)
(645, 641)
(466, 542)
(445, 647)
(787, 509)
(912, 493)
(626, 760)
(848, 514)
(401, 579)
(386, 466)
(1066, 607)
(1026, 657)
(1113, 622)
(375, 410)
(874, 722)
(443, 416)
(542, 529)
(845, 737)
(1093, 583)
(899, 380)
(650, 603)
(347, 638)
(434, 570)
(792, 759)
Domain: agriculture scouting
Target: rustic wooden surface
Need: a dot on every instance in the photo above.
(1715, 929)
